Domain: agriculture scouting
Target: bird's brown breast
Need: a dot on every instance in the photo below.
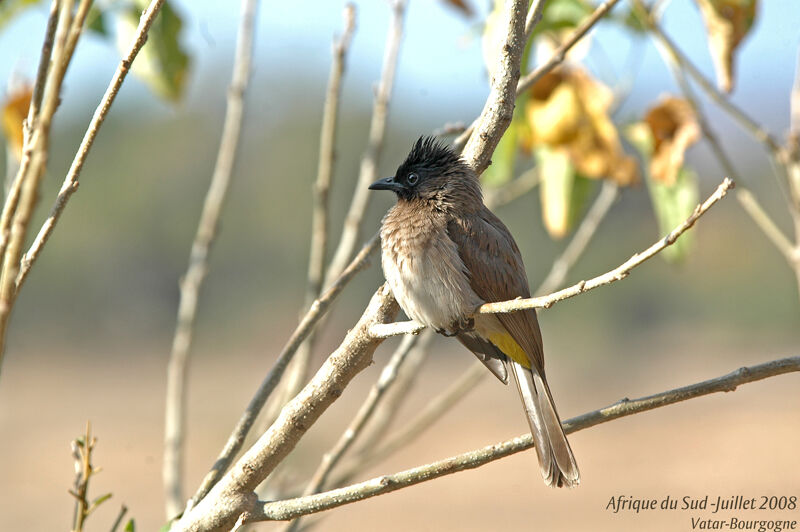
(422, 265)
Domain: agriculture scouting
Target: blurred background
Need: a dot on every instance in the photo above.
(91, 332)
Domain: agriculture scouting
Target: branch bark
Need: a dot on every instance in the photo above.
(234, 494)
(314, 314)
(293, 508)
(175, 411)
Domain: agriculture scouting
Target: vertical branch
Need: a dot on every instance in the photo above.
(583, 235)
(15, 271)
(319, 221)
(25, 188)
(369, 162)
(318, 309)
(499, 107)
(175, 412)
(356, 426)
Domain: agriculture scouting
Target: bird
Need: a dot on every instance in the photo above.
(444, 254)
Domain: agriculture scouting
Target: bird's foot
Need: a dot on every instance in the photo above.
(458, 327)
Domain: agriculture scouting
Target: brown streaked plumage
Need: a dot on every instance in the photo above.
(444, 254)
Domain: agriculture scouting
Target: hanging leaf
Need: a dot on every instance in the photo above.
(130, 526)
(10, 8)
(95, 22)
(501, 170)
(564, 193)
(727, 23)
(673, 126)
(162, 63)
(672, 205)
(562, 15)
(567, 108)
(672, 202)
(15, 111)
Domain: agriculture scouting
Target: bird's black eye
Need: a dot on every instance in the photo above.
(412, 179)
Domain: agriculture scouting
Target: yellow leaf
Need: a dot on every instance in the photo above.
(568, 109)
(14, 113)
(673, 126)
(727, 23)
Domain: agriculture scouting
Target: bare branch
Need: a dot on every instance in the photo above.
(369, 162)
(618, 273)
(70, 184)
(499, 107)
(293, 508)
(175, 411)
(233, 494)
(298, 372)
(314, 314)
(516, 188)
(356, 426)
(583, 235)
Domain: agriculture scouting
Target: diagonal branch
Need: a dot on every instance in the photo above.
(314, 314)
(293, 508)
(617, 274)
(369, 162)
(175, 411)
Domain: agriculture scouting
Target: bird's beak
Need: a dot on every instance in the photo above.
(387, 183)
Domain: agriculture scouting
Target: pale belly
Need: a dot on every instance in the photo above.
(431, 286)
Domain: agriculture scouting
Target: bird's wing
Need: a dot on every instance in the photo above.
(496, 273)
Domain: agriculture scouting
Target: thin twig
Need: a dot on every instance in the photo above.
(351, 230)
(433, 411)
(70, 184)
(120, 516)
(364, 414)
(24, 192)
(533, 18)
(306, 325)
(516, 188)
(175, 411)
(234, 493)
(618, 273)
(556, 59)
(583, 235)
(293, 508)
(298, 371)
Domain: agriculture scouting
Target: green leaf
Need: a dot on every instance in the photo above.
(95, 22)
(10, 8)
(672, 205)
(557, 178)
(565, 194)
(561, 14)
(162, 63)
(130, 526)
(505, 154)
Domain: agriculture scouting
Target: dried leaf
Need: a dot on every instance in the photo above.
(15, 111)
(568, 109)
(727, 23)
(673, 126)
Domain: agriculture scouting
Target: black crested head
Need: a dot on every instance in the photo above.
(432, 157)
(432, 171)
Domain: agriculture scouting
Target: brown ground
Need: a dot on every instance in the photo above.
(742, 443)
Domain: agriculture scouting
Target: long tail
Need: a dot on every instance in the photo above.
(555, 456)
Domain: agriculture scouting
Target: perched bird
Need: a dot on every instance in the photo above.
(444, 253)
